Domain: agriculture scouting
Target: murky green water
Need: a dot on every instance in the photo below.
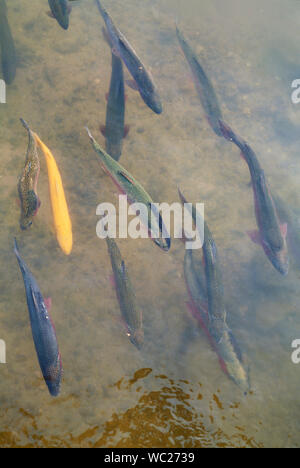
(173, 392)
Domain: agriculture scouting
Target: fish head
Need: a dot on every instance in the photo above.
(152, 100)
(137, 338)
(278, 257)
(60, 10)
(64, 21)
(164, 244)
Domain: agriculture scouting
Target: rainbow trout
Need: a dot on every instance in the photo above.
(8, 50)
(136, 68)
(214, 282)
(114, 130)
(131, 317)
(271, 235)
(229, 354)
(136, 194)
(203, 85)
(43, 330)
(27, 186)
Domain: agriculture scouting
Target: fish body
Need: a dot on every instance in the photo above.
(136, 68)
(135, 193)
(27, 185)
(229, 355)
(61, 216)
(213, 281)
(203, 85)
(43, 331)
(271, 233)
(115, 111)
(131, 316)
(8, 50)
(60, 10)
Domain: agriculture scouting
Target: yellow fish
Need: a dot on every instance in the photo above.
(62, 221)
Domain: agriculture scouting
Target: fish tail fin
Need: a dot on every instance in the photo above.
(17, 253)
(101, 8)
(89, 134)
(16, 250)
(25, 124)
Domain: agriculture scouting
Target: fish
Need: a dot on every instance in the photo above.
(27, 185)
(61, 216)
(131, 316)
(127, 185)
(60, 10)
(7, 44)
(43, 330)
(214, 282)
(142, 78)
(271, 234)
(115, 130)
(203, 85)
(229, 354)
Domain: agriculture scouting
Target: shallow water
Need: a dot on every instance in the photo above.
(173, 392)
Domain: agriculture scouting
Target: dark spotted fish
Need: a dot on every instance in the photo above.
(271, 234)
(203, 85)
(136, 68)
(43, 330)
(114, 130)
(213, 280)
(132, 318)
(27, 186)
(229, 354)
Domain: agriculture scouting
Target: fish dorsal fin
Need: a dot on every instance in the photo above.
(126, 177)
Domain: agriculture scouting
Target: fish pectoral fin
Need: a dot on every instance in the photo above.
(255, 237)
(103, 130)
(50, 14)
(48, 303)
(126, 131)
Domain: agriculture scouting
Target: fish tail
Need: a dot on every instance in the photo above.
(89, 134)
(101, 8)
(16, 249)
(17, 253)
(25, 124)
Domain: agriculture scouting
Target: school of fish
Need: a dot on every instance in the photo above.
(202, 269)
